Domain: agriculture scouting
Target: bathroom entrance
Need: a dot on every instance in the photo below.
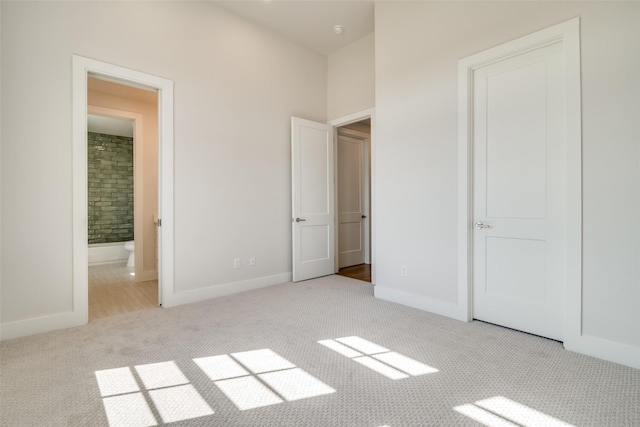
(122, 184)
(161, 252)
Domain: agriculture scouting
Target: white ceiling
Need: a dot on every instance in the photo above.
(110, 126)
(309, 22)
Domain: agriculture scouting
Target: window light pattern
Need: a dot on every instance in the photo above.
(377, 358)
(167, 387)
(499, 411)
(258, 378)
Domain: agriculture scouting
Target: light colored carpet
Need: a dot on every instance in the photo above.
(50, 379)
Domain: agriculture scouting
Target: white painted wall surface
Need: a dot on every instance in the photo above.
(236, 88)
(350, 78)
(418, 45)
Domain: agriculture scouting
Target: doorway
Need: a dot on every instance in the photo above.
(161, 252)
(313, 163)
(353, 190)
(122, 156)
(520, 183)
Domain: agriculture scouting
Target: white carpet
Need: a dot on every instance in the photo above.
(140, 367)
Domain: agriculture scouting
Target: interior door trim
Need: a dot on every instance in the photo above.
(342, 121)
(82, 68)
(567, 33)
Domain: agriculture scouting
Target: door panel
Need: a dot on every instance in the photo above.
(526, 259)
(350, 201)
(314, 243)
(312, 199)
(519, 192)
(516, 141)
(314, 193)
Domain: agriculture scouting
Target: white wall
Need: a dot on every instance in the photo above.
(350, 78)
(236, 87)
(1, 182)
(418, 45)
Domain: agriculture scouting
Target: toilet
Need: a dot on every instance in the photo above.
(130, 246)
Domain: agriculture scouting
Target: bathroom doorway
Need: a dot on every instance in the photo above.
(97, 87)
(116, 155)
(122, 175)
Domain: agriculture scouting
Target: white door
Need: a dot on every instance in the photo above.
(312, 210)
(351, 207)
(520, 192)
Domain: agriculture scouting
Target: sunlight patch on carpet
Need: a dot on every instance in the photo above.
(169, 390)
(129, 410)
(295, 384)
(362, 345)
(499, 411)
(257, 378)
(380, 368)
(404, 363)
(265, 360)
(180, 403)
(377, 358)
(248, 393)
(116, 381)
(220, 367)
(164, 374)
(340, 348)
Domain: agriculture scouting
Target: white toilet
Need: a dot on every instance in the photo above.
(130, 246)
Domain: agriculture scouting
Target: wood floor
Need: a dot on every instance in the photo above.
(359, 272)
(113, 290)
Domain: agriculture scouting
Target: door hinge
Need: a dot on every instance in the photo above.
(159, 222)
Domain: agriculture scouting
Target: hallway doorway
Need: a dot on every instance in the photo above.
(353, 196)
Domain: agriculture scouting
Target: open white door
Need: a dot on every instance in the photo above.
(312, 199)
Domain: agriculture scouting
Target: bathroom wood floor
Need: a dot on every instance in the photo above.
(113, 290)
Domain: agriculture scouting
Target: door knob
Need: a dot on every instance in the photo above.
(480, 225)
(364, 216)
(300, 219)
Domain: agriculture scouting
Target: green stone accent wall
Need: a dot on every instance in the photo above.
(110, 176)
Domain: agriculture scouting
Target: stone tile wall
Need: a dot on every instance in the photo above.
(110, 176)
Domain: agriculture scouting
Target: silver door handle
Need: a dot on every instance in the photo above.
(480, 225)
(300, 219)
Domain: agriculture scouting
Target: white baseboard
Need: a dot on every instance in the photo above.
(147, 275)
(623, 354)
(38, 325)
(107, 253)
(612, 351)
(416, 301)
(202, 294)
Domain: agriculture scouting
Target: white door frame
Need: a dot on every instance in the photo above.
(342, 121)
(567, 33)
(82, 68)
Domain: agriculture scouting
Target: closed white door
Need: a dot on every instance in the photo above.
(312, 207)
(520, 192)
(351, 201)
